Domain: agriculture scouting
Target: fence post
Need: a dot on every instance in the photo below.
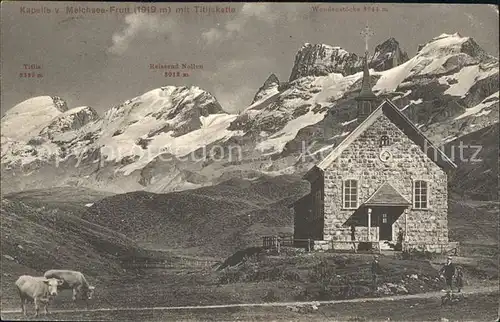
(309, 245)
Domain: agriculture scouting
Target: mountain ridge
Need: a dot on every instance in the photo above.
(175, 138)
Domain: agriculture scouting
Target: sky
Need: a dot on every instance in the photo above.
(103, 59)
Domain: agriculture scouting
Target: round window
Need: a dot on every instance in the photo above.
(385, 156)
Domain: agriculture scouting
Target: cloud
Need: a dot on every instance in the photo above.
(494, 7)
(262, 12)
(471, 19)
(150, 26)
(213, 35)
(236, 100)
(237, 94)
(138, 25)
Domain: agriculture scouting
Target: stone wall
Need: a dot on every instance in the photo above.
(344, 233)
(322, 245)
(451, 248)
(360, 161)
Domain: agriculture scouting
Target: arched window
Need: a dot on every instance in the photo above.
(384, 140)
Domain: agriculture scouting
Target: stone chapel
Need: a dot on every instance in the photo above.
(385, 180)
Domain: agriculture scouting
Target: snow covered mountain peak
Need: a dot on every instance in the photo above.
(448, 89)
(72, 119)
(387, 55)
(447, 44)
(444, 42)
(164, 109)
(269, 88)
(29, 117)
(443, 55)
(321, 59)
(445, 35)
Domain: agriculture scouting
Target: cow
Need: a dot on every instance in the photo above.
(38, 290)
(72, 280)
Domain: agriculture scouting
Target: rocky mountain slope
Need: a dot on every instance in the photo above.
(176, 138)
(37, 238)
(321, 59)
(215, 220)
(477, 160)
(270, 87)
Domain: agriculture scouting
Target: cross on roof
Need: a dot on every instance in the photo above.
(366, 33)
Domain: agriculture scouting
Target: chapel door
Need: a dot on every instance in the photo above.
(385, 225)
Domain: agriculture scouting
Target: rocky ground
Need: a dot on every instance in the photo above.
(37, 237)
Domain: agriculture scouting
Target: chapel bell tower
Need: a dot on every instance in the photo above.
(366, 100)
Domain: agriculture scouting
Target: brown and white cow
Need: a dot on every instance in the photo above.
(72, 280)
(36, 289)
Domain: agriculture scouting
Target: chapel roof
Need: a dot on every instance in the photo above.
(391, 111)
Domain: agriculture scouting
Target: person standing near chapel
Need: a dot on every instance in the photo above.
(459, 278)
(375, 272)
(399, 242)
(448, 271)
(353, 238)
